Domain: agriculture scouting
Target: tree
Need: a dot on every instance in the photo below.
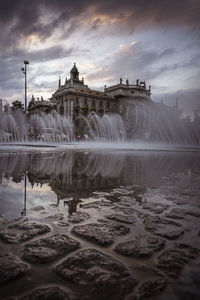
(85, 110)
(17, 105)
(6, 108)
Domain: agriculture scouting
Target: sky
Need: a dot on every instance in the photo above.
(154, 40)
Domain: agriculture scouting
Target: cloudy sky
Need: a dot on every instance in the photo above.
(153, 40)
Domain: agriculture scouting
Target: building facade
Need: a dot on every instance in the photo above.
(75, 99)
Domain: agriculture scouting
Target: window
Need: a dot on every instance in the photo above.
(108, 105)
(101, 104)
(76, 102)
(93, 103)
(85, 101)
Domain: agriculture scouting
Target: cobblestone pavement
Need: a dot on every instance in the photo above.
(129, 242)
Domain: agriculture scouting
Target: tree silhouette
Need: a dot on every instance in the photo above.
(17, 105)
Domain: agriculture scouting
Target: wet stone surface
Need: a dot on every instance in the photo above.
(48, 249)
(152, 282)
(97, 204)
(145, 236)
(38, 208)
(127, 201)
(56, 217)
(99, 275)
(51, 293)
(187, 286)
(177, 213)
(11, 267)
(121, 218)
(102, 234)
(149, 289)
(140, 246)
(122, 191)
(78, 217)
(26, 231)
(163, 227)
(157, 208)
(172, 260)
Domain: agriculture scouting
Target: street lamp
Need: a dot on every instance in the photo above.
(26, 62)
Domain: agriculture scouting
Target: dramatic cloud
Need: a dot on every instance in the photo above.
(23, 18)
(157, 41)
(131, 62)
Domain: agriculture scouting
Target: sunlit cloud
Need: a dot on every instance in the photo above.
(157, 41)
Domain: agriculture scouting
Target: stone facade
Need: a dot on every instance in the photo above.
(75, 99)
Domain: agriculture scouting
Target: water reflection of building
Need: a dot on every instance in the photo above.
(76, 175)
(69, 176)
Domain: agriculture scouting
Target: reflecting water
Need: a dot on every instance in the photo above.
(31, 179)
(138, 209)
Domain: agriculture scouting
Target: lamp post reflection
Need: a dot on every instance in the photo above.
(23, 212)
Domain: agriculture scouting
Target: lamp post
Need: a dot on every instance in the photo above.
(24, 70)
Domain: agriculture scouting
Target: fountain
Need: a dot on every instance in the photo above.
(144, 126)
(107, 128)
(156, 122)
(55, 121)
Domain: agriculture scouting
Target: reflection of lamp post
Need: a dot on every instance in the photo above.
(23, 212)
(26, 62)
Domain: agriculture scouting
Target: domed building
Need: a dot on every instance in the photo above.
(75, 99)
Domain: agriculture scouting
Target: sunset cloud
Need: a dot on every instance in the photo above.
(157, 41)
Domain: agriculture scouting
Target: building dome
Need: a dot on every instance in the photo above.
(74, 69)
(74, 72)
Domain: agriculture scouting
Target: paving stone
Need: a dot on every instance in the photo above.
(47, 249)
(192, 213)
(121, 218)
(127, 201)
(78, 217)
(179, 201)
(115, 227)
(96, 204)
(154, 207)
(140, 246)
(177, 213)
(11, 267)
(62, 223)
(102, 234)
(3, 220)
(95, 233)
(102, 194)
(187, 286)
(173, 259)
(163, 227)
(149, 289)
(50, 293)
(56, 217)
(96, 275)
(26, 231)
(122, 191)
(37, 208)
(124, 210)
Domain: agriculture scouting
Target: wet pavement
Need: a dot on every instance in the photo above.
(99, 225)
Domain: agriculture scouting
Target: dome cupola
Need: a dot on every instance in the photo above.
(74, 73)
